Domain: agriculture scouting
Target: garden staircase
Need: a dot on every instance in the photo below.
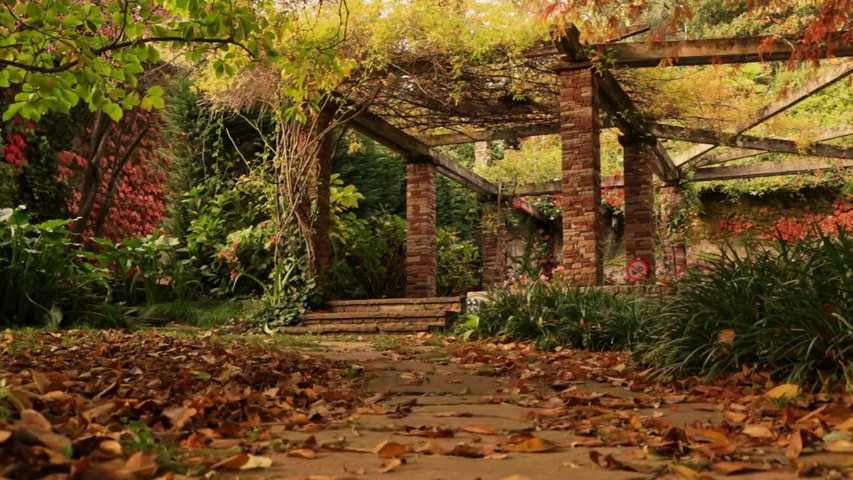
(387, 315)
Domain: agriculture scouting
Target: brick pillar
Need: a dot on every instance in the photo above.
(323, 220)
(672, 231)
(582, 227)
(493, 246)
(421, 244)
(639, 202)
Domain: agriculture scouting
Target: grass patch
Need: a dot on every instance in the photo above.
(552, 313)
(200, 314)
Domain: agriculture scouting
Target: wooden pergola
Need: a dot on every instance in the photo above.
(583, 90)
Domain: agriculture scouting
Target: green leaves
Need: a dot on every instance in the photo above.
(76, 52)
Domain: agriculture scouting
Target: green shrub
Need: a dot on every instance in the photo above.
(458, 264)
(787, 308)
(552, 313)
(42, 273)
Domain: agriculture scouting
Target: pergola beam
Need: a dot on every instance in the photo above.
(831, 76)
(708, 51)
(770, 169)
(550, 188)
(414, 150)
(488, 135)
(711, 137)
(741, 153)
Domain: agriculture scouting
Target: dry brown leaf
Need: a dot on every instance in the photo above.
(5, 435)
(388, 449)
(471, 451)
(795, 445)
(758, 431)
(430, 447)
(243, 461)
(179, 416)
(480, 429)
(390, 465)
(839, 446)
(453, 414)
(726, 336)
(611, 463)
(736, 417)
(305, 453)
(533, 445)
(730, 468)
(683, 471)
(41, 381)
(141, 465)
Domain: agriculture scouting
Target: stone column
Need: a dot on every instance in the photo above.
(639, 202)
(493, 246)
(672, 231)
(581, 204)
(421, 244)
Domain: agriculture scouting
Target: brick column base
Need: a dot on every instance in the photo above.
(639, 202)
(421, 244)
(493, 247)
(672, 234)
(583, 245)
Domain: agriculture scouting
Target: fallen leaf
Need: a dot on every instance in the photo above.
(471, 451)
(839, 446)
(179, 416)
(533, 445)
(41, 381)
(305, 453)
(736, 417)
(611, 463)
(388, 449)
(726, 336)
(480, 429)
(390, 465)
(430, 447)
(141, 465)
(785, 390)
(729, 468)
(243, 461)
(758, 431)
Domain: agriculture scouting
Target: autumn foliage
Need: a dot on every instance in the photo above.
(130, 199)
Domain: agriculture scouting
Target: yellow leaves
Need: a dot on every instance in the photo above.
(480, 429)
(532, 445)
(786, 390)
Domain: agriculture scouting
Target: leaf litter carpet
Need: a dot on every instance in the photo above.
(185, 404)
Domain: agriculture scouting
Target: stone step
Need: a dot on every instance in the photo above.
(453, 304)
(377, 317)
(369, 328)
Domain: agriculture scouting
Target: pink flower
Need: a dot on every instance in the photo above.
(543, 278)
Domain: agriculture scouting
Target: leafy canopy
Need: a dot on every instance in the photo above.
(59, 53)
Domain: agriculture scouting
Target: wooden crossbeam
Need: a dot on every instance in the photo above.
(550, 188)
(740, 153)
(707, 51)
(711, 137)
(837, 72)
(414, 150)
(488, 135)
(797, 166)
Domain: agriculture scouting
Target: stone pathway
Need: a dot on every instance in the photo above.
(422, 389)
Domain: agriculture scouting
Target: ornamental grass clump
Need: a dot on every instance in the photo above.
(783, 307)
(553, 313)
